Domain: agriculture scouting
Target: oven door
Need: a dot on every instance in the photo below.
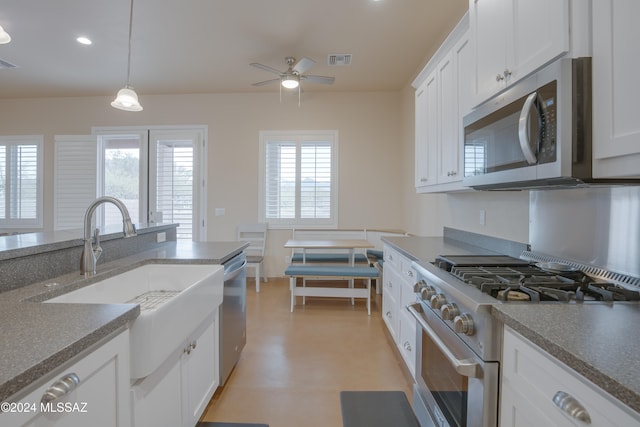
(454, 387)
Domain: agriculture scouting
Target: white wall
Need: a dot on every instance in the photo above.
(370, 138)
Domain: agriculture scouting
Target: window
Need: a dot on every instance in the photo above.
(21, 182)
(158, 173)
(299, 178)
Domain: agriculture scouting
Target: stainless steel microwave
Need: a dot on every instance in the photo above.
(535, 134)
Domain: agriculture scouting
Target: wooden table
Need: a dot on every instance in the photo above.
(347, 244)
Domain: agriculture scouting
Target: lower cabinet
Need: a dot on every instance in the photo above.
(92, 391)
(178, 392)
(538, 390)
(398, 277)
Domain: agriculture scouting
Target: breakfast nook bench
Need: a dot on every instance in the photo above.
(333, 272)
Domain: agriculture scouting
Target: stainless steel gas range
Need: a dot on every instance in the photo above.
(459, 342)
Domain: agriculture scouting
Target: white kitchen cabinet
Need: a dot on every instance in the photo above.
(616, 88)
(441, 102)
(397, 294)
(178, 392)
(513, 38)
(98, 392)
(426, 128)
(530, 380)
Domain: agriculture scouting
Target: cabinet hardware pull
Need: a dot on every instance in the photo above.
(507, 73)
(60, 388)
(407, 346)
(499, 77)
(571, 406)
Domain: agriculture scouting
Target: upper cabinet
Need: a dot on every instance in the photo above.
(616, 88)
(513, 38)
(442, 99)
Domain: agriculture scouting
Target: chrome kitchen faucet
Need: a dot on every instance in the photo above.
(92, 249)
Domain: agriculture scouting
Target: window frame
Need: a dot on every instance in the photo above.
(299, 137)
(38, 221)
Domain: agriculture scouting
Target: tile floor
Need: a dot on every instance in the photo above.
(294, 365)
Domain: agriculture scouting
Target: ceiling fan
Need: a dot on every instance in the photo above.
(293, 76)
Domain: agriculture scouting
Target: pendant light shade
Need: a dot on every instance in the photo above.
(4, 36)
(127, 98)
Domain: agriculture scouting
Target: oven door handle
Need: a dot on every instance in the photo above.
(465, 367)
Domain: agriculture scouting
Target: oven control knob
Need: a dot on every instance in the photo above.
(427, 292)
(449, 311)
(417, 287)
(438, 301)
(463, 324)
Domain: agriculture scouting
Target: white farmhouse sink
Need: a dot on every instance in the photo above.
(185, 294)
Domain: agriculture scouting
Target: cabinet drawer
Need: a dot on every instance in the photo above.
(534, 378)
(391, 257)
(407, 340)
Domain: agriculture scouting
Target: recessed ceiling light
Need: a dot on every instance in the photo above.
(84, 40)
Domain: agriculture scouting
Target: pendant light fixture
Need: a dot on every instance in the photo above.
(127, 98)
(4, 36)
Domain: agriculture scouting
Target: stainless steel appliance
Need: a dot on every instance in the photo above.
(459, 342)
(233, 315)
(536, 134)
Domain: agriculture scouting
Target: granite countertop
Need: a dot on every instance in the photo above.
(598, 341)
(42, 337)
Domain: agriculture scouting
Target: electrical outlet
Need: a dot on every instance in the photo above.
(161, 237)
(287, 259)
(483, 217)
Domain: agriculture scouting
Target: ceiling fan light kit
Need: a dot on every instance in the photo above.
(291, 82)
(127, 98)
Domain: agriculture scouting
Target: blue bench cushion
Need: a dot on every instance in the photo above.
(327, 257)
(330, 271)
(375, 253)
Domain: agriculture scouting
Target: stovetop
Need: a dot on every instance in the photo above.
(511, 279)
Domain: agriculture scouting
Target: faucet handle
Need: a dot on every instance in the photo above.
(97, 249)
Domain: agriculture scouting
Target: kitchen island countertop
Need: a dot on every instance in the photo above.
(598, 341)
(39, 338)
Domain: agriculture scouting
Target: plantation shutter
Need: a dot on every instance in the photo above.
(281, 177)
(75, 179)
(315, 183)
(21, 181)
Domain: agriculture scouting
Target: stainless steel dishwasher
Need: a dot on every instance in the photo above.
(233, 314)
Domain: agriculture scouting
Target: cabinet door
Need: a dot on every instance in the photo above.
(426, 123)
(538, 32)
(616, 88)
(488, 21)
(199, 373)
(100, 398)
(448, 152)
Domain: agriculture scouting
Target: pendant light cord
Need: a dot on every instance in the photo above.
(129, 57)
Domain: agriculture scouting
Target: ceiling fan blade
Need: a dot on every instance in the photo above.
(324, 80)
(266, 82)
(266, 68)
(303, 65)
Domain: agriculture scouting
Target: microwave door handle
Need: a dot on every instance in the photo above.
(523, 129)
(465, 367)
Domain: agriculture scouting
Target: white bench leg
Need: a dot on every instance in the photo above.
(369, 297)
(292, 287)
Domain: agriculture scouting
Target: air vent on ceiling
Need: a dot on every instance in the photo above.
(339, 59)
(5, 64)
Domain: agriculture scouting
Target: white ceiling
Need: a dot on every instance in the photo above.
(205, 46)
